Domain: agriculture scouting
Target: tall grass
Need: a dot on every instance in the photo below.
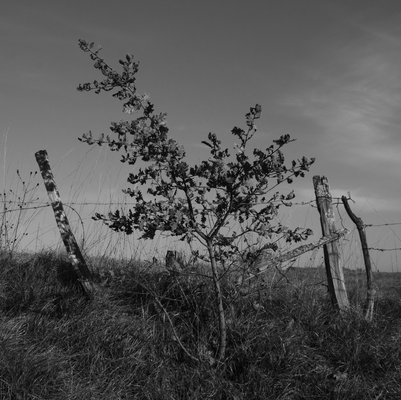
(27, 222)
(18, 209)
(149, 335)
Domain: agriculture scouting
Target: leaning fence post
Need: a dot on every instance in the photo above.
(266, 260)
(370, 299)
(71, 245)
(334, 271)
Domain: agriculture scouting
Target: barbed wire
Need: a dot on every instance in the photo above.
(94, 203)
(21, 208)
(375, 248)
(390, 224)
(75, 203)
(71, 204)
(25, 208)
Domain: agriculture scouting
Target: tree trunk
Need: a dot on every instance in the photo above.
(219, 305)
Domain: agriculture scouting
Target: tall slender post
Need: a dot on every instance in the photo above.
(71, 245)
(370, 299)
(334, 270)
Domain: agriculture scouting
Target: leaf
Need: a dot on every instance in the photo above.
(206, 202)
(207, 143)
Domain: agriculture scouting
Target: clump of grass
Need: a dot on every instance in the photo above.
(148, 334)
(31, 283)
(15, 204)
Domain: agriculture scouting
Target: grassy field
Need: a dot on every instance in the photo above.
(148, 335)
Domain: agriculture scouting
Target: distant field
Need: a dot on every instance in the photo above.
(387, 284)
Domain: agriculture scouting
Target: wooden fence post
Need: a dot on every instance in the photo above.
(71, 245)
(334, 271)
(370, 298)
(266, 260)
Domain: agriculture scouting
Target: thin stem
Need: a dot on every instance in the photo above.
(219, 301)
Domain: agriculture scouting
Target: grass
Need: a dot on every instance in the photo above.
(148, 335)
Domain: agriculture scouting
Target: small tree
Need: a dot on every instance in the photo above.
(222, 202)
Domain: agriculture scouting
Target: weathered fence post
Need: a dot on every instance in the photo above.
(370, 298)
(266, 260)
(334, 271)
(74, 253)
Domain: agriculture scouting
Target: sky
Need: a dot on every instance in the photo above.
(325, 72)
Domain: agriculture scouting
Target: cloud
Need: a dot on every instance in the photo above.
(355, 102)
(361, 202)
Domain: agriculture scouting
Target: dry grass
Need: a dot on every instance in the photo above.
(139, 336)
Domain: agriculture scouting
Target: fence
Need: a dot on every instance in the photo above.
(25, 208)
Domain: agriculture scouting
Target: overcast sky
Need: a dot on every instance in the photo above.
(325, 72)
